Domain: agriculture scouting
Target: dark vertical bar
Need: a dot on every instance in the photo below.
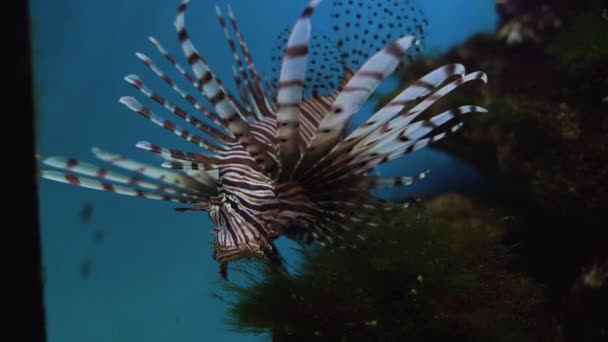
(22, 218)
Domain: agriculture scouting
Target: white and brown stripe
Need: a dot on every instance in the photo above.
(388, 132)
(91, 170)
(247, 91)
(214, 117)
(352, 96)
(178, 180)
(208, 163)
(169, 125)
(109, 187)
(217, 95)
(291, 84)
(262, 101)
(418, 89)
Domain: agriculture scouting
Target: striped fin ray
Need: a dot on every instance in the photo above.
(377, 182)
(380, 205)
(350, 216)
(325, 232)
(220, 135)
(339, 225)
(398, 151)
(353, 95)
(311, 114)
(356, 166)
(418, 129)
(345, 217)
(265, 131)
(291, 84)
(217, 95)
(263, 101)
(414, 131)
(243, 81)
(391, 133)
(206, 162)
(420, 88)
(91, 170)
(404, 119)
(206, 177)
(173, 61)
(268, 87)
(202, 176)
(314, 109)
(178, 180)
(245, 96)
(178, 165)
(214, 117)
(137, 107)
(85, 182)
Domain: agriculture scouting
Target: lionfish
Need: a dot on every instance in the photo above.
(278, 160)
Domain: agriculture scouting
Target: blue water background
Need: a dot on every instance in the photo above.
(152, 275)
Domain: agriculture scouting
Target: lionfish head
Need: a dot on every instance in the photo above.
(234, 236)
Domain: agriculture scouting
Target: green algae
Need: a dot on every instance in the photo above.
(431, 273)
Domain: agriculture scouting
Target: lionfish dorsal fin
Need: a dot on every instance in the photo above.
(263, 103)
(420, 88)
(246, 77)
(399, 135)
(350, 99)
(376, 124)
(291, 85)
(169, 125)
(216, 94)
(401, 127)
(314, 109)
(212, 116)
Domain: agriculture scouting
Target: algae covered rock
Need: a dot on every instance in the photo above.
(542, 148)
(437, 272)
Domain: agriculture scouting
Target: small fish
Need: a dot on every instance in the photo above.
(277, 160)
(85, 268)
(86, 212)
(98, 236)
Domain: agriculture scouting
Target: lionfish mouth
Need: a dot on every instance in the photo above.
(226, 254)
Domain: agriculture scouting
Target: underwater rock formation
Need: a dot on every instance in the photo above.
(543, 146)
(586, 304)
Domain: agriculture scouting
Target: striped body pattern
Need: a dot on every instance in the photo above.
(277, 158)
